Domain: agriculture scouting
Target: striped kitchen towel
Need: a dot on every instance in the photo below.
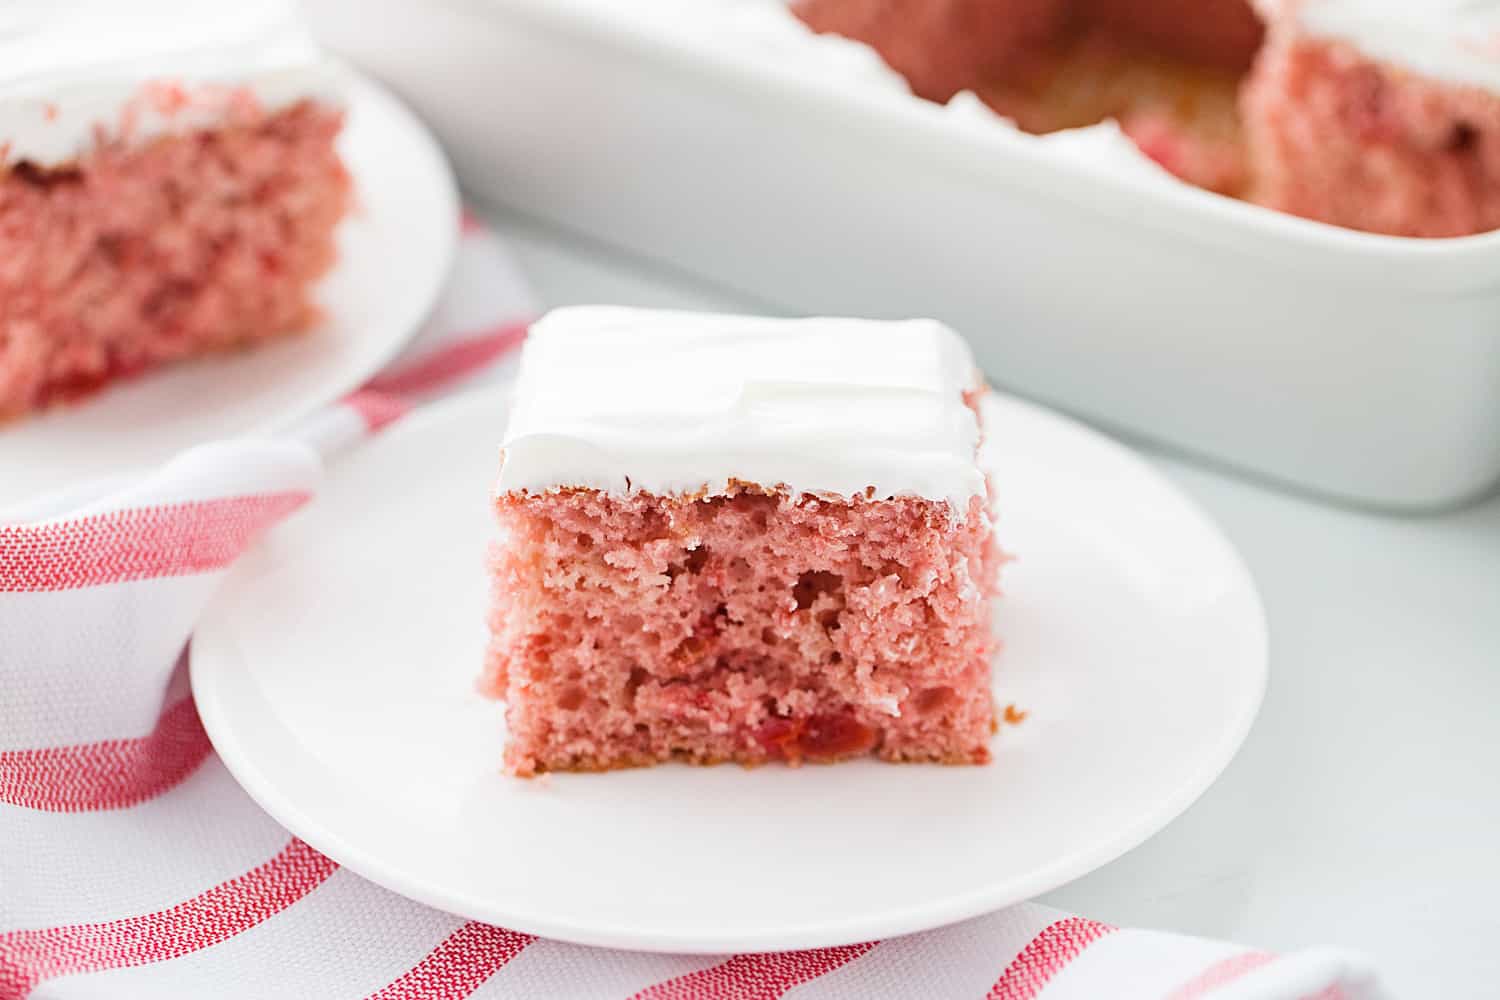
(132, 865)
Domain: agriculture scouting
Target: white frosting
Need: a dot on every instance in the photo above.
(623, 400)
(1452, 40)
(69, 67)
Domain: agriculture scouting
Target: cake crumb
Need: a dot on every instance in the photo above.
(1015, 716)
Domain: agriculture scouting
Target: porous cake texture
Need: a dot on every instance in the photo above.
(169, 187)
(644, 612)
(133, 256)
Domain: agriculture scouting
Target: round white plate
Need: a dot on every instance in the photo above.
(335, 674)
(395, 250)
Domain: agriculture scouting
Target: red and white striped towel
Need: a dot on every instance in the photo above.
(131, 865)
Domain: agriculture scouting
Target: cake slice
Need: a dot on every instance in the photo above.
(729, 538)
(169, 187)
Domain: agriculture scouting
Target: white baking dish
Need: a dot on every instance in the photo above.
(1357, 366)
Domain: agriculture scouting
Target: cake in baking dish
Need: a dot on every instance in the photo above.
(1381, 115)
(728, 538)
(169, 186)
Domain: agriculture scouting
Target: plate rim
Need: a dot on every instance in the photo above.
(906, 919)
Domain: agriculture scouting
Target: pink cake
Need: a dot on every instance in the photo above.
(1338, 136)
(1372, 114)
(738, 539)
(167, 190)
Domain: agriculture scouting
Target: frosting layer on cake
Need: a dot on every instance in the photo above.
(629, 400)
(71, 69)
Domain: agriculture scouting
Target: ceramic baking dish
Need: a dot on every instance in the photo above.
(1360, 367)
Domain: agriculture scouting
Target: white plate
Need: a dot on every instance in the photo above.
(335, 674)
(395, 250)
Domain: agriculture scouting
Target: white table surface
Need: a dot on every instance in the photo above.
(1364, 810)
